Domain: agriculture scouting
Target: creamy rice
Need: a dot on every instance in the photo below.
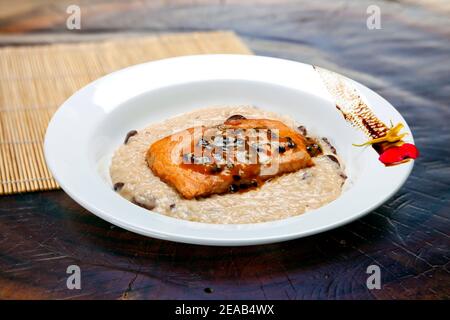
(285, 196)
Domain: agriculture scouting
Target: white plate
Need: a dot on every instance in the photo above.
(91, 124)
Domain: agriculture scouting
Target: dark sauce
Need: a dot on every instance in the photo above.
(313, 147)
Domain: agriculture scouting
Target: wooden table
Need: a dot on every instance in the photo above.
(407, 61)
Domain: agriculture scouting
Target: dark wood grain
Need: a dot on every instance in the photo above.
(408, 237)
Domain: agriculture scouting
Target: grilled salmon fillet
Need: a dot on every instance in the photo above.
(235, 156)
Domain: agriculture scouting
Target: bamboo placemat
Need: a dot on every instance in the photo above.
(35, 80)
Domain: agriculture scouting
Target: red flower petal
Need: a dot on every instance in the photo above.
(398, 154)
(410, 150)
